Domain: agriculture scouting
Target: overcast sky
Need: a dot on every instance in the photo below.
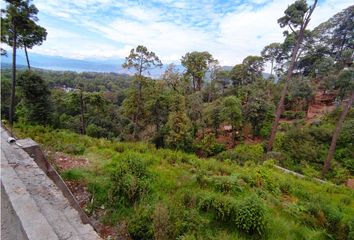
(229, 30)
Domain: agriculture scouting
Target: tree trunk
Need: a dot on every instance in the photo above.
(281, 101)
(288, 78)
(233, 136)
(271, 68)
(332, 148)
(138, 109)
(83, 128)
(13, 88)
(28, 63)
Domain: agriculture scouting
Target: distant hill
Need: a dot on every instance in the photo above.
(61, 63)
(95, 65)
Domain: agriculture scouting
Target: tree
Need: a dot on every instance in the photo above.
(178, 124)
(141, 60)
(223, 79)
(346, 77)
(33, 35)
(36, 101)
(17, 22)
(254, 66)
(196, 64)
(232, 113)
(337, 33)
(256, 111)
(173, 79)
(297, 15)
(195, 111)
(270, 53)
(212, 115)
(238, 75)
(248, 72)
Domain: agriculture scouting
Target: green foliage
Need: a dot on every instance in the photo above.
(291, 115)
(251, 216)
(208, 146)
(96, 131)
(178, 125)
(36, 105)
(167, 194)
(196, 64)
(232, 112)
(259, 112)
(294, 14)
(301, 147)
(130, 179)
(244, 153)
(140, 224)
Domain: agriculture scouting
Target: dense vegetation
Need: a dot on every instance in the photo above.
(192, 155)
(166, 194)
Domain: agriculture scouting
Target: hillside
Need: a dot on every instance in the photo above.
(135, 190)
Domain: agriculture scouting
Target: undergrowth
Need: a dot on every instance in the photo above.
(166, 194)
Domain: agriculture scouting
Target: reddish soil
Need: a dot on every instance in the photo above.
(350, 183)
(322, 104)
(80, 191)
(64, 162)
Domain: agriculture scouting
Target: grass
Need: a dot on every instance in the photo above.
(172, 194)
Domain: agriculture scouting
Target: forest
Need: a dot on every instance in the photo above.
(198, 152)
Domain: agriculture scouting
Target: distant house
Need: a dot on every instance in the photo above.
(228, 128)
(65, 88)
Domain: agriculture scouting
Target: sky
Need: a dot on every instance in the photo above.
(229, 30)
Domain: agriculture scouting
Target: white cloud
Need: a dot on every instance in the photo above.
(170, 28)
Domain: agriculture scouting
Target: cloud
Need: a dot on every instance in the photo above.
(230, 30)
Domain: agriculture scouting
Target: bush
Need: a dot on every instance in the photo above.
(160, 219)
(96, 131)
(226, 184)
(208, 146)
(265, 130)
(244, 153)
(222, 207)
(140, 225)
(130, 179)
(351, 229)
(301, 147)
(75, 149)
(251, 216)
(328, 217)
(291, 115)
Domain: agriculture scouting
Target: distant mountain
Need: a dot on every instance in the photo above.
(69, 64)
(95, 65)
(61, 63)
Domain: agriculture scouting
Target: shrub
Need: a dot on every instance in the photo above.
(96, 131)
(140, 225)
(265, 130)
(73, 174)
(291, 115)
(187, 223)
(226, 184)
(208, 146)
(351, 229)
(75, 149)
(130, 179)
(251, 216)
(328, 217)
(160, 219)
(301, 147)
(322, 133)
(244, 153)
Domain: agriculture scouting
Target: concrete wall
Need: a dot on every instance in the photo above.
(32, 205)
